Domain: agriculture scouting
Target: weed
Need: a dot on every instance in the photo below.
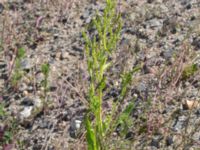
(45, 70)
(8, 129)
(2, 111)
(189, 70)
(18, 72)
(99, 49)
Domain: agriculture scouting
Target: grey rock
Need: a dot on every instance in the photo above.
(39, 77)
(167, 54)
(38, 102)
(196, 43)
(142, 87)
(154, 23)
(23, 87)
(179, 123)
(155, 143)
(45, 124)
(86, 14)
(77, 124)
(169, 141)
(66, 116)
(74, 126)
(196, 136)
(132, 16)
(65, 55)
(26, 113)
(26, 64)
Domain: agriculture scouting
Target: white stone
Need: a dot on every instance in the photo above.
(77, 124)
(26, 112)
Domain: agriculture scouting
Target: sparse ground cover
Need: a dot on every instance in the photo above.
(48, 78)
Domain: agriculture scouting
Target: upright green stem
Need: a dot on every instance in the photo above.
(97, 53)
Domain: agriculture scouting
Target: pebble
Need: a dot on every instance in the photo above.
(179, 123)
(38, 102)
(26, 64)
(190, 104)
(26, 112)
(77, 124)
(155, 143)
(65, 55)
(74, 126)
(169, 141)
(153, 23)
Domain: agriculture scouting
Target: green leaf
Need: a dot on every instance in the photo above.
(21, 53)
(90, 135)
(189, 71)
(124, 119)
(45, 69)
(7, 136)
(2, 111)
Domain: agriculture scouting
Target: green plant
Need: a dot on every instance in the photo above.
(45, 70)
(99, 49)
(18, 72)
(189, 71)
(2, 111)
(7, 138)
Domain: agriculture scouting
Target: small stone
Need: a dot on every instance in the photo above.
(58, 55)
(22, 87)
(196, 43)
(26, 112)
(38, 102)
(65, 55)
(39, 77)
(190, 104)
(85, 15)
(167, 54)
(74, 126)
(30, 89)
(154, 23)
(169, 141)
(198, 113)
(26, 64)
(132, 16)
(77, 124)
(179, 123)
(155, 143)
(66, 116)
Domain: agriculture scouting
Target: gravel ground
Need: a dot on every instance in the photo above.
(161, 35)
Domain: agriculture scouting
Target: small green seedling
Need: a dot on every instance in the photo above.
(189, 71)
(18, 72)
(2, 111)
(45, 70)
